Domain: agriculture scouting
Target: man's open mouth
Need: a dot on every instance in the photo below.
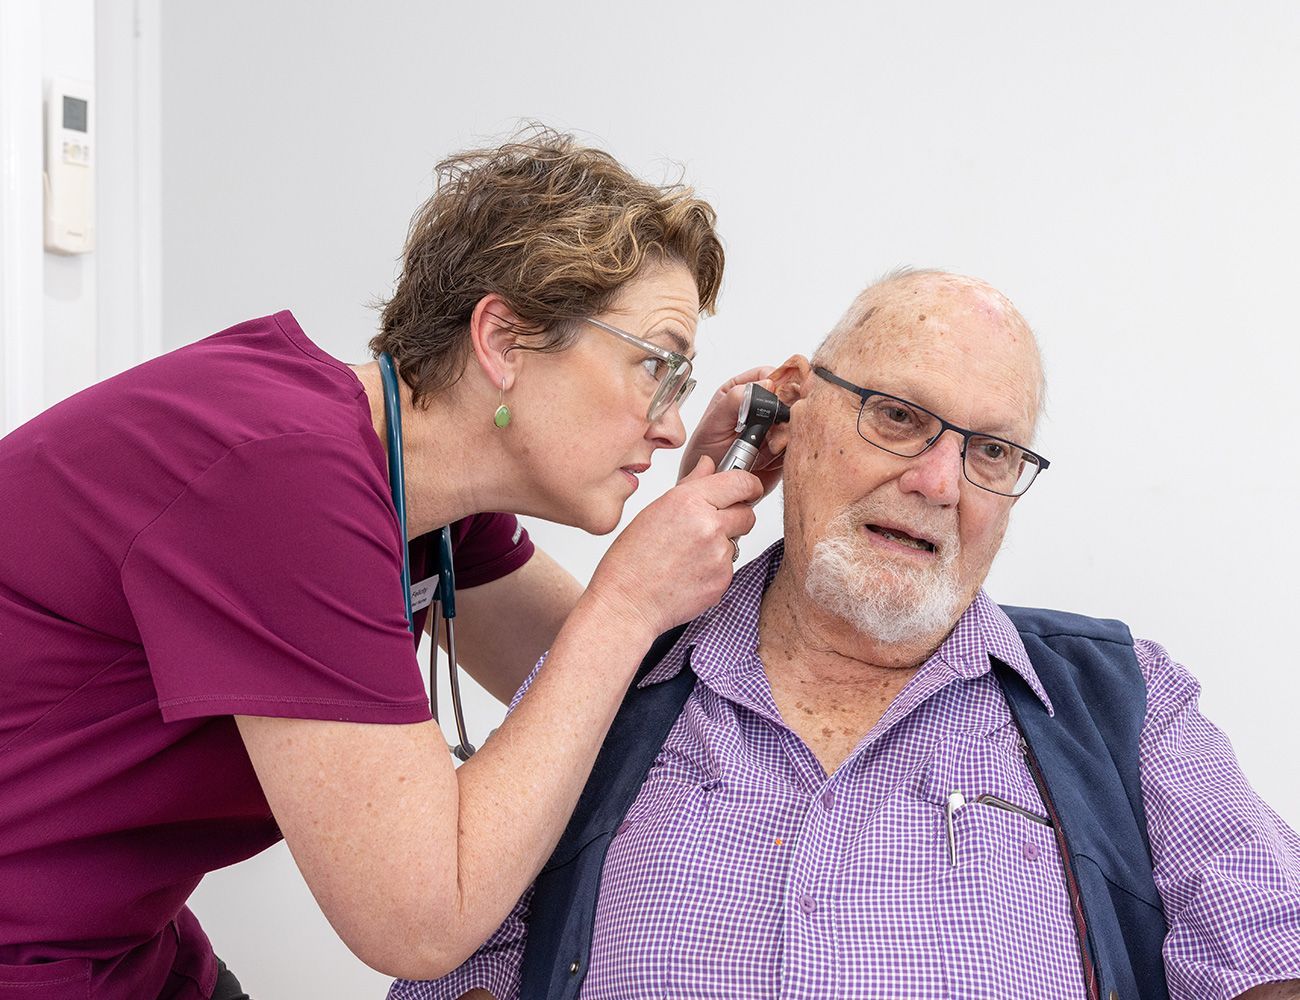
(902, 537)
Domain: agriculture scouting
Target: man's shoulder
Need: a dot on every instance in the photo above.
(1048, 623)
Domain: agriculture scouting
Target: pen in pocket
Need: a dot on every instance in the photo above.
(957, 800)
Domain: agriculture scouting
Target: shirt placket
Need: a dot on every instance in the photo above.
(811, 966)
(808, 947)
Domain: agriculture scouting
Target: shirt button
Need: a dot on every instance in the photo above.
(828, 800)
(1030, 851)
(807, 903)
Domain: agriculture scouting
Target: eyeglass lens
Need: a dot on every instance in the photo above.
(899, 427)
(674, 389)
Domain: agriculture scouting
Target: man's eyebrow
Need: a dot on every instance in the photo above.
(1004, 431)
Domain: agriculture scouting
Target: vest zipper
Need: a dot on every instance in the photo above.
(1076, 897)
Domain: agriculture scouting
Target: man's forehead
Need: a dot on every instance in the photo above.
(923, 327)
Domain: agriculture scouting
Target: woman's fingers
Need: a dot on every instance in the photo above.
(674, 560)
(744, 378)
(717, 428)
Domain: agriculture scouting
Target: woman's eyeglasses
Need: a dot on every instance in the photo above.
(671, 370)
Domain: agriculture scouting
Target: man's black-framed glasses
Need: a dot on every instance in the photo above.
(905, 429)
(671, 370)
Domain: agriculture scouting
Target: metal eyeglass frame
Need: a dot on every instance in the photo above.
(663, 398)
(1038, 460)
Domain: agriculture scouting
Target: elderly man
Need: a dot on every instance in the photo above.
(857, 776)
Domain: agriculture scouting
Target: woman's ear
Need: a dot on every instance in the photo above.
(494, 330)
(790, 381)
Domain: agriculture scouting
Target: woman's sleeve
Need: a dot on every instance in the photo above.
(271, 585)
(486, 547)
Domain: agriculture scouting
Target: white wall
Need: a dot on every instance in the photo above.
(67, 321)
(49, 302)
(128, 253)
(1126, 174)
(68, 40)
(22, 277)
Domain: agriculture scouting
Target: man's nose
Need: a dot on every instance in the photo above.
(936, 474)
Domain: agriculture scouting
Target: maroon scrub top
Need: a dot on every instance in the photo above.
(207, 535)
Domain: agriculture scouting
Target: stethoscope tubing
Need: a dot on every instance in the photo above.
(446, 593)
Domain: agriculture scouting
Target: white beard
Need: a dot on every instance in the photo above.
(891, 603)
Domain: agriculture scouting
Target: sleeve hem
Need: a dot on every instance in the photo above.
(495, 569)
(321, 709)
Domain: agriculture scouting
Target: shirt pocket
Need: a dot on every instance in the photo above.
(998, 877)
(62, 980)
(985, 801)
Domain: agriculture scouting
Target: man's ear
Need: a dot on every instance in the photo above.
(494, 329)
(791, 382)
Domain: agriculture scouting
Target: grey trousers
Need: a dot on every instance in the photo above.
(227, 987)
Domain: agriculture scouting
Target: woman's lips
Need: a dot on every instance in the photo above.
(632, 471)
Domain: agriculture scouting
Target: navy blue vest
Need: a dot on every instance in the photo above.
(1084, 759)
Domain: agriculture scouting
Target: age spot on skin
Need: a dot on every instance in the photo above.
(828, 732)
(921, 318)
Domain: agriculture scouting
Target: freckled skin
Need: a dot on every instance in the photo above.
(965, 354)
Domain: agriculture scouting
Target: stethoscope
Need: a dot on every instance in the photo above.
(445, 595)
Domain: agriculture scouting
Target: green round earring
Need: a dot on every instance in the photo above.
(502, 416)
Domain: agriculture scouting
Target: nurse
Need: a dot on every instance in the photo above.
(203, 641)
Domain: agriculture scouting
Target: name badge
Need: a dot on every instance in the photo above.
(422, 593)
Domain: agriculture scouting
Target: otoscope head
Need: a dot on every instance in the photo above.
(760, 407)
(759, 410)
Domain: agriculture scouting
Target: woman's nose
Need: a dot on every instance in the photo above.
(668, 431)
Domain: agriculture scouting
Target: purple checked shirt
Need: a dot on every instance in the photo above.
(744, 870)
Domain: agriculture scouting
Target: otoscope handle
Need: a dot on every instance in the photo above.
(741, 455)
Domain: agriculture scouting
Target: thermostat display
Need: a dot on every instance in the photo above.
(69, 168)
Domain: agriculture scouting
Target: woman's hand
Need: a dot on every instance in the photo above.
(717, 430)
(674, 560)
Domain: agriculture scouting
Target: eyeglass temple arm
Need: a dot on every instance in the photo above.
(662, 352)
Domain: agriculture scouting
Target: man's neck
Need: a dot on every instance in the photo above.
(831, 683)
(828, 648)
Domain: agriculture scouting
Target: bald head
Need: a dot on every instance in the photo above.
(896, 543)
(912, 312)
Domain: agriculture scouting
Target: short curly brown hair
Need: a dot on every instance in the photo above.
(554, 228)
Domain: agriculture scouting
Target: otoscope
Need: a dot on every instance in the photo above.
(759, 410)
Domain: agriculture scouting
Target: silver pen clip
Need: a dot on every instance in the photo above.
(955, 801)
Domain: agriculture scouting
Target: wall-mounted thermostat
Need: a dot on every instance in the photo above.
(69, 167)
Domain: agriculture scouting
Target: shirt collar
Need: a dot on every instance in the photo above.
(722, 642)
(724, 639)
(984, 632)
